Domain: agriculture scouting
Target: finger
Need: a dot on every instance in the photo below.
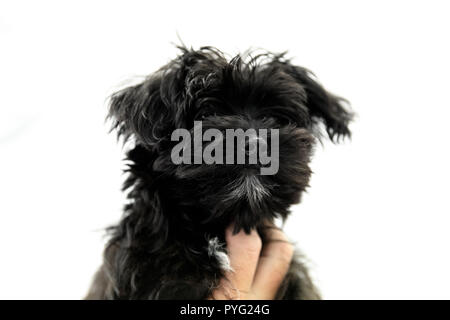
(243, 251)
(273, 264)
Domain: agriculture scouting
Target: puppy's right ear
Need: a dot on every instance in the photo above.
(139, 112)
(324, 107)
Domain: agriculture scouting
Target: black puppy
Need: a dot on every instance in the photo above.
(170, 241)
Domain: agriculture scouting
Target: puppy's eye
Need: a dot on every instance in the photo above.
(201, 115)
(205, 115)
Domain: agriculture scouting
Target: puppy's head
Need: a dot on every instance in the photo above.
(201, 90)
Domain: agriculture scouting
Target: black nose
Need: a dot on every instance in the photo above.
(253, 143)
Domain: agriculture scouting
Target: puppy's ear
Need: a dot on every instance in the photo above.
(139, 112)
(323, 106)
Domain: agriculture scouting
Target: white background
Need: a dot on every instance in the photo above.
(375, 222)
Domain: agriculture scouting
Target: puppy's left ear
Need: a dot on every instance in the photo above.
(140, 112)
(323, 106)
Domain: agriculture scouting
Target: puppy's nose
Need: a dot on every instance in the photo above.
(253, 143)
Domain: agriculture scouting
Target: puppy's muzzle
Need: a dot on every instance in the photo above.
(253, 144)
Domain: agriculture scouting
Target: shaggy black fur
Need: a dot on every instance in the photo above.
(159, 250)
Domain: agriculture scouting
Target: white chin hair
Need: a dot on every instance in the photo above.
(247, 187)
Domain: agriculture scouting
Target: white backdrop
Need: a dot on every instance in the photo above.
(375, 221)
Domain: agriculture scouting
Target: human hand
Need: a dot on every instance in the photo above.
(257, 271)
